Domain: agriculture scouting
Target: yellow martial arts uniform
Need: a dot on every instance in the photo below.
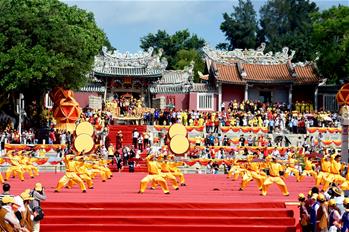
(166, 174)
(308, 169)
(274, 177)
(235, 169)
(335, 175)
(324, 172)
(173, 165)
(70, 174)
(153, 176)
(291, 168)
(252, 173)
(83, 173)
(16, 168)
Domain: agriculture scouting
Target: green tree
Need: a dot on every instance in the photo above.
(172, 44)
(44, 44)
(331, 35)
(288, 23)
(183, 58)
(240, 27)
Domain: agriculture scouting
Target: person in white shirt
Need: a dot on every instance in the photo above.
(135, 136)
(10, 217)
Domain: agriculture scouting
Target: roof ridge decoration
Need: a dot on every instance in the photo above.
(181, 79)
(250, 56)
(108, 61)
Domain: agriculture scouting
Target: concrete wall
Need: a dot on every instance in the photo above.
(181, 100)
(278, 93)
(82, 98)
(232, 92)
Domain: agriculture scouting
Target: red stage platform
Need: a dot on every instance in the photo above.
(208, 202)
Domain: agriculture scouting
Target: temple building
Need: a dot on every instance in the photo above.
(238, 74)
(266, 77)
(125, 74)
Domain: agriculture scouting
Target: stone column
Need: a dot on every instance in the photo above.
(290, 97)
(315, 98)
(219, 97)
(246, 92)
(105, 91)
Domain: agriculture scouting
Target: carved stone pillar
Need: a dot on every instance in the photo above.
(219, 97)
(246, 92)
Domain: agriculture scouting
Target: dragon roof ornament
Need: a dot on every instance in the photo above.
(107, 61)
(250, 56)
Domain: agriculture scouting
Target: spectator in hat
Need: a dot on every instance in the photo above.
(334, 216)
(7, 212)
(39, 195)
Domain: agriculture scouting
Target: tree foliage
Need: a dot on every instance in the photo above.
(47, 44)
(288, 23)
(183, 59)
(331, 35)
(44, 44)
(240, 27)
(173, 44)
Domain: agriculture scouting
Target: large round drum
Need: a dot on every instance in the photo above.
(84, 128)
(177, 129)
(84, 142)
(179, 144)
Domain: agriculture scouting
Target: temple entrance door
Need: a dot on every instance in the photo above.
(265, 96)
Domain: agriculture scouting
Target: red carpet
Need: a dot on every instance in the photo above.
(126, 132)
(207, 203)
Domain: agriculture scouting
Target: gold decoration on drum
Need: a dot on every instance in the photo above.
(84, 143)
(179, 144)
(84, 140)
(84, 128)
(177, 129)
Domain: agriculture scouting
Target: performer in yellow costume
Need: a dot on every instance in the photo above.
(235, 169)
(308, 169)
(175, 170)
(164, 166)
(82, 172)
(325, 170)
(70, 174)
(27, 163)
(252, 173)
(274, 177)
(335, 175)
(291, 168)
(154, 175)
(16, 168)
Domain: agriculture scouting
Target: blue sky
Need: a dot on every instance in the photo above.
(125, 22)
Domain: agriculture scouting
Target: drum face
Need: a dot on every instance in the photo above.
(177, 129)
(83, 142)
(84, 128)
(179, 144)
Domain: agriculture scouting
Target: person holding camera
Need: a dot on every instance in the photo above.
(39, 195)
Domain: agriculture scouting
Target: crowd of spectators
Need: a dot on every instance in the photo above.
(22, 212)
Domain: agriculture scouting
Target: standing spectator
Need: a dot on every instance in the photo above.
(146, 140)
(6, 190)
(10, 218)
(140, 142)
(135, 135)
(52, 137)
(39, 195)
(242, 140)
(119, 140)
